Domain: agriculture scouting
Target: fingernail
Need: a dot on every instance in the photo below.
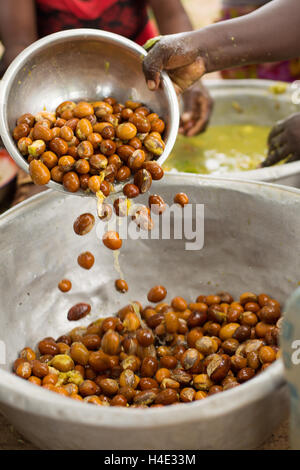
(151, 84)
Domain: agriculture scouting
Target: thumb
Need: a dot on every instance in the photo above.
(153, 64)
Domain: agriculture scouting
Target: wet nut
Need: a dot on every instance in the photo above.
(131, 191)
(238, 362)
(131, 362)
(83, 129)
(126, 131)
(94, 183)
(27, 119)
(267, 354)
(145, 397)
(37, 148)
(95, 139)
(39, 172)
(124, 152)
(118, 400)
(24, 370)
(85, 149)
(48, 346)
(171, 321)
(71, 181)
(167, 397)
(169, 383)
(112, 240)
(145, 337)
(242, 333)
(154, 144)
(88, 388)
(49, 159)
(62, 362)
(142, 218)
(261, 329)
(253, 360)
(128, 379)
(157, 294)
(21, 130)
(82, 167)
(131, 322)
(65, 285)
(154, 169)
(149, 367)
(107, 147)
(58, 146)
(227, 331)
(181, 199)
(86, 260)
(196, 318)
(78, 311)
(248, 318)
(245, 374)
(248, 297)
(216, 314)
(143, 180)
(84, 224)
(230, 346)
(66, 163)
(190, 358)
(157, 204)
(41, 132)
(123, 173)
(136, 160)
(27, 354)
(83, 109)
(218, 368)
(121, 206)
(206, 345)
(121, 286)
(111, 342)
(225, 297)
(109, 386)
(269, 313)
(202, 382)
(57, 175)
(23, 145)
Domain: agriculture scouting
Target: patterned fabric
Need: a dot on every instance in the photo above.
(286, 71)
(128, 18)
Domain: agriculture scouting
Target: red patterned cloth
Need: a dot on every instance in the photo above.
(126, 17)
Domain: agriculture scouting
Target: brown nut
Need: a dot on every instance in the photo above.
(84, 224)
(78, 311)
(218, 368)
(143, 180)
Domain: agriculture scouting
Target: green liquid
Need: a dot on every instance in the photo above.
(220, 149)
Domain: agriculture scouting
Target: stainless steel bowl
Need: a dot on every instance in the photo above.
(255, 102)
(251, 243)
(80, 64)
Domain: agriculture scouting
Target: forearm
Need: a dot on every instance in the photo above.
(170, 16)
(17, 23)
(269, 34)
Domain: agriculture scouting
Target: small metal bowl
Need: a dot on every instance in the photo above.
(80, 64)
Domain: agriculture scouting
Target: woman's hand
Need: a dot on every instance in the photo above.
(178, 54)
(197, 108)
(284, 141)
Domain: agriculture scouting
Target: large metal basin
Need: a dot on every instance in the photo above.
(257, 104)
(251, 243)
